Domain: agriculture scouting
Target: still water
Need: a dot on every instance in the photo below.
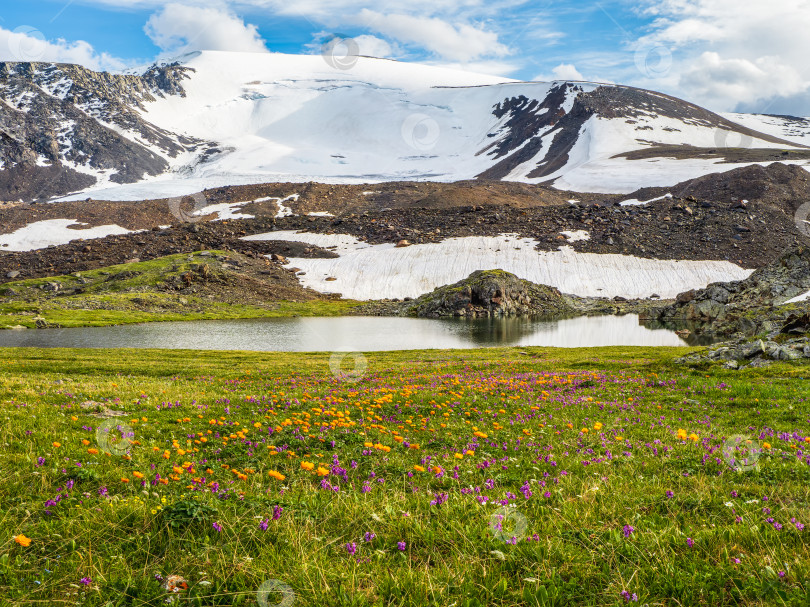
(351, 334)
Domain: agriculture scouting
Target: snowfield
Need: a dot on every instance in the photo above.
(365, 271)
(41, 234)
(295, 118)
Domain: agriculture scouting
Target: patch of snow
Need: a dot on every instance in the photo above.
(320, 214)
(634, 202)
(365, 271)
(282, 210)
(41, 234)
(576, 235)
(225, 210)
(799, 298)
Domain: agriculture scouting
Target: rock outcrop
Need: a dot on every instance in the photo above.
(748, 307)
(491, 294)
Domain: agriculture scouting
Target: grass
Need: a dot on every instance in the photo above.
(246, 473)
(131, 293)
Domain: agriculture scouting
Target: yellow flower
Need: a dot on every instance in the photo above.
(597, 426)
(766, 445)
(22, 540)
(307, 465)
(693, 437)
(458, 456)
(419, 468)
(277, 475)
(682, 434)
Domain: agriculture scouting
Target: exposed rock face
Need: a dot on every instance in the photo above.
(747, 306)
(60, 122)
(491, 293)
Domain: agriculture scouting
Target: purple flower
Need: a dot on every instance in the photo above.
(217, 526)
(628, 530)
(351, 548)
(781, 574)
(401, 545)
(733, 494)
(277, 510)
(86, 581)
(40, 461)
(263, 525)
(439, 499)
(369, 536)
(690, 542)
(670, 494)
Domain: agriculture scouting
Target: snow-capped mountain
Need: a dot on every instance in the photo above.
(218, 118)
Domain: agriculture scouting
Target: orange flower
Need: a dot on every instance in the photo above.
(137, 475)
(277, 475)
(57, 445)
(93, 451)
(124, 480)
(419, 468)
(85, 442)
(307, 465)
(22, 540)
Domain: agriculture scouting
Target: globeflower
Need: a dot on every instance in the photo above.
(22, 540)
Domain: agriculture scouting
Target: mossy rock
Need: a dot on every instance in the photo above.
(491, 293)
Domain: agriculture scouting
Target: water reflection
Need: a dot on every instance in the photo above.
(352, 333)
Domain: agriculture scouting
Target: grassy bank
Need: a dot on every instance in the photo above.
(154, 291)
(487, 477)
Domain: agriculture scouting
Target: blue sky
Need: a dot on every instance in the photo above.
(724, 54)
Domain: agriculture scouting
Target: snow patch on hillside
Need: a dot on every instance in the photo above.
(41, 234)
(365, 271)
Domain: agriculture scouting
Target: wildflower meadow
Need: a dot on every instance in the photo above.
(501, 477)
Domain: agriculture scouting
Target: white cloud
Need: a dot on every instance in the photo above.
(28, 44)
(180, 28)
(728, 54)
(462, 42)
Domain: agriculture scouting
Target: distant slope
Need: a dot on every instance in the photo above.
(218, 118)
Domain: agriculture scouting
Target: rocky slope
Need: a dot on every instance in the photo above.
(64, 127)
